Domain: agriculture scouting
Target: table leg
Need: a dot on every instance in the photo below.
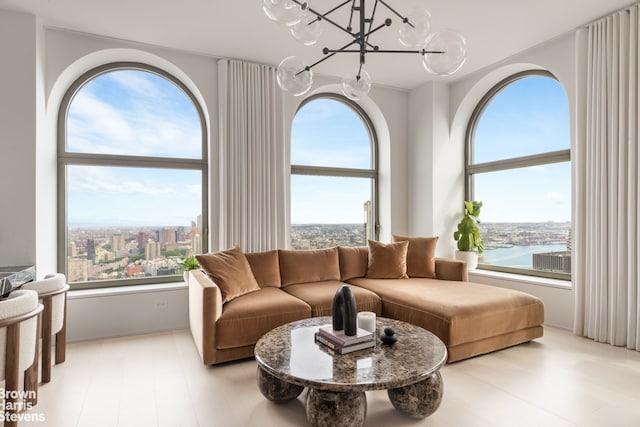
(418, 400)
(330, 409)
(275, 389)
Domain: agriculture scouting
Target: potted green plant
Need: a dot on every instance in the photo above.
(186, 264)
(468, 236)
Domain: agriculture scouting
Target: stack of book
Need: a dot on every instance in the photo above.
(337, 342)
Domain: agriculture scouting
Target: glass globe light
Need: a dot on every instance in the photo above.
(284, 12)
(453, 52)
(293, 77)
(308, 30)
(354, 87)
(415, 32)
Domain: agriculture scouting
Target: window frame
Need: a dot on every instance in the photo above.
(539, 159)
(65, 159)
(371, 173)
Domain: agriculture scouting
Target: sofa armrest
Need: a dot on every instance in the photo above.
(451, 269)
(205, 308)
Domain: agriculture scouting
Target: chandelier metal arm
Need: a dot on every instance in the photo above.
(404, 18)
(444, 51)
(323, 16)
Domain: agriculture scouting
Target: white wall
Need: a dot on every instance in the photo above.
(439, 144)
(435, 164)
(18, 132)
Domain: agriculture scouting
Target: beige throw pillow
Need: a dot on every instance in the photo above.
(387, 260)
(421, 255)
(231, 272)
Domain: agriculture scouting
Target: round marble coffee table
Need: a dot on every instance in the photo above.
(289, 360)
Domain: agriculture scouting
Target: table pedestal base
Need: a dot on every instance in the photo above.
(275, 389)
(418, 400)
(330, 409)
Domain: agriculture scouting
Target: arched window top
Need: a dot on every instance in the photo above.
(134, 112)
(330, 132)
(524, 115)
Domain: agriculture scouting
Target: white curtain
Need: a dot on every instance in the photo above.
(252, 206)
(607, 233)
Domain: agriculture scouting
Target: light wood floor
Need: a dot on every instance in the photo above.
(158, 380)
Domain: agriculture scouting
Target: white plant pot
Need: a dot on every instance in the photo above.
(471, 257)
(185, 275)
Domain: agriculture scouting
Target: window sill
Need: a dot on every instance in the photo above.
(521, 278)
(124, 290)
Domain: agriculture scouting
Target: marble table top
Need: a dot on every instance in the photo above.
(290, 353)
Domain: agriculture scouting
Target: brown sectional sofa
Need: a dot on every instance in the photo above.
(470, 318)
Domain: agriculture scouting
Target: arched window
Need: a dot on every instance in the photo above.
(132, 177)
(518, 165)
(333, 174)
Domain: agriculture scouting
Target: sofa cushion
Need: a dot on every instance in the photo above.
(353, 261)
(230, 270)
(308, 266)
(247, 318)
(387, 260)
(457, 312)
(265, 268)
(421, 255)
(319, 295)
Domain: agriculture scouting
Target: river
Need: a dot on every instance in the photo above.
(517, 256)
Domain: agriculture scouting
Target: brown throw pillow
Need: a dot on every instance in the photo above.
(231, 272)
(265, 268)
(421, 255)
(353, 261)
(387, 260)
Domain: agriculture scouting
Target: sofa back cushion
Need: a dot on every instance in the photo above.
(421, 255)
(387, 260)
(230, 270)
(265, 267)
(353, 261)
(308, 266)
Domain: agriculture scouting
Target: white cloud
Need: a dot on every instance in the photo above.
(554, 197)
(141, 120)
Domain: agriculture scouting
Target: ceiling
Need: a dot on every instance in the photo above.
(494, 29)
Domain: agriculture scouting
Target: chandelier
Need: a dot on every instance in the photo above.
(443, 52)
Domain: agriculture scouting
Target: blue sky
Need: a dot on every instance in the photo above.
(529, 116)
(326, 132)
(139, 113)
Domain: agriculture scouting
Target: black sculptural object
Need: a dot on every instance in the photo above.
(344, 311)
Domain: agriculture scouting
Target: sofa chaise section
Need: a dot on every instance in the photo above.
(469, 318)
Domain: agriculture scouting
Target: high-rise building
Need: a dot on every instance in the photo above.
(196, 244)
(368, 220)
(91, 250)
(167, 236)
(142, 240)
(117, 242)
(72, 250)
(152, 250)
(553, 261)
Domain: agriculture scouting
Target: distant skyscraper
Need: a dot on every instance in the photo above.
(368, 220)
(117, 242)
(72, 250)
(167, 236)
(152, 250)
(196, 244)
(142, 240)
(91, 250)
